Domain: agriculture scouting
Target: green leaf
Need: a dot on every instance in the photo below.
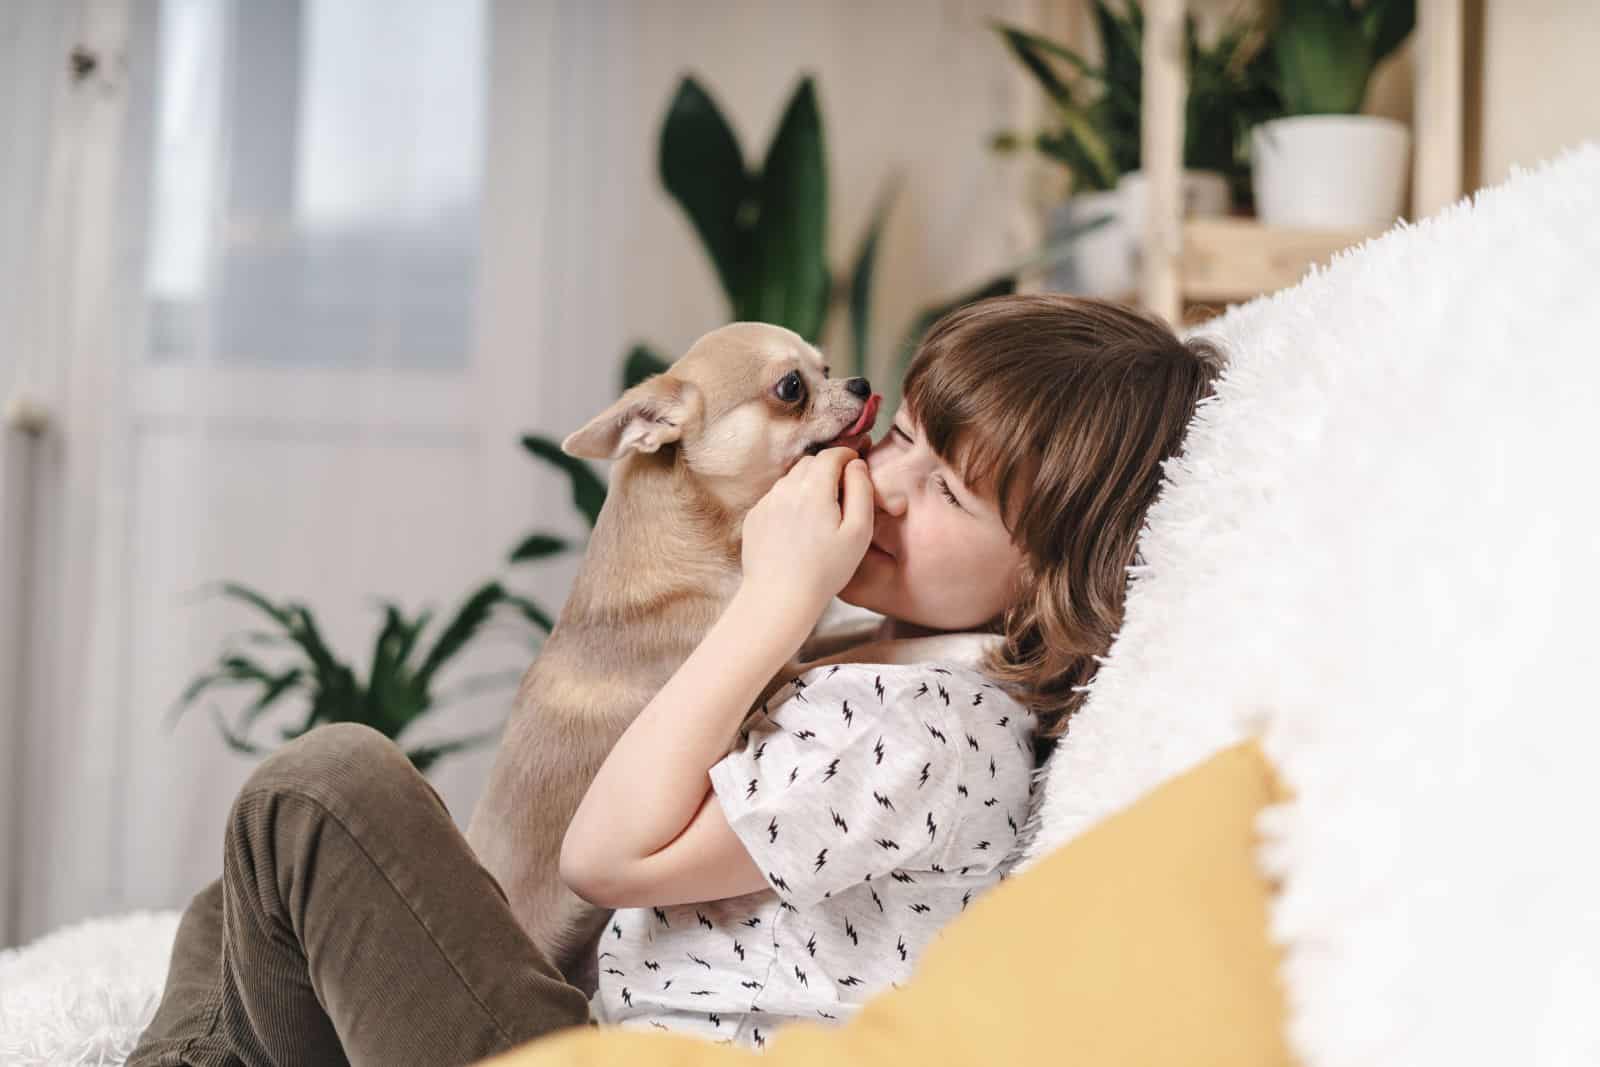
(272, 691)
(390, 698)
(1323, 59)
(1122, 41)
(237, 742)
(1387, 24)
(861, 279)
(641, 363)
(1030, 48)
(191, 693)
(703, 170)
(539, 546)
(588, 491)
(786, 274)
(1082, 131)
(469, 618)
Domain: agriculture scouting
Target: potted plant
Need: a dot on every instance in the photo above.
(1095, 129)
(1323, 164)
(399, 688)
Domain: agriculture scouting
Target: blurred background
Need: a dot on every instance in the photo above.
(296, 294)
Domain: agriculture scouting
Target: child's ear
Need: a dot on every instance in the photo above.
(651, 414)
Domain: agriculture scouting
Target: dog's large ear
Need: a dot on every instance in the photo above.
(651, 414)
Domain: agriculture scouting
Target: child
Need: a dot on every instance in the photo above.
(797, 872)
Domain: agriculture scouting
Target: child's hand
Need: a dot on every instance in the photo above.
(801, 544)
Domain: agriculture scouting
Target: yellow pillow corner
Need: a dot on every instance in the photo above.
(1142, 942)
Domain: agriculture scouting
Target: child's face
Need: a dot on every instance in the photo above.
(941, 556)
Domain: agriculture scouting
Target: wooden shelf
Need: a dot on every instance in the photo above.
(1235, 259)
(1226, 260)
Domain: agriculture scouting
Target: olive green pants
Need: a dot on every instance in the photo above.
(352, 924)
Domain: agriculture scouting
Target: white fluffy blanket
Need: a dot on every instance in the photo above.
(1382, 554)
(83, 995)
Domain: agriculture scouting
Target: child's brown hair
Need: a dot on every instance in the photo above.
(1065, 409)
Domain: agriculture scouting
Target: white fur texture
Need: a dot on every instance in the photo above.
(1382, 554)
(83, 994)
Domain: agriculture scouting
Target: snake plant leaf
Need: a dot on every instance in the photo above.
(1323, 58)
(390, 699)
(273, 690)
(786, 274)
(1032, 49)
(539, 546)
(1029, 49)
(232, 669)
(1122, 40)
(861, 278)
(469, 618)
(588, 491)
(702, 169)
(336, 683)
(642, 362)
(1080, 143)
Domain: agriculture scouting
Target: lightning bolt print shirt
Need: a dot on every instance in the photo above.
(880, 801)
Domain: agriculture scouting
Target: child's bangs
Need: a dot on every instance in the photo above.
(980, 424)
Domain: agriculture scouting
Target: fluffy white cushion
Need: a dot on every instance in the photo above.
(83, 994)
(1381, 553)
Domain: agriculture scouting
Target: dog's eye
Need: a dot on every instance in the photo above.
(790, 387)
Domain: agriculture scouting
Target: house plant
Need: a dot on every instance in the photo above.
(1094, 131)
(399, 688)
(1323, 164)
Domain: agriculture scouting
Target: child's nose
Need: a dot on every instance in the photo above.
(886, 491)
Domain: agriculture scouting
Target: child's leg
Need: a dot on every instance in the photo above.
(355, 925)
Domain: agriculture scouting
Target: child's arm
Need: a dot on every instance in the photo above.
(800, 546)
(641, 803)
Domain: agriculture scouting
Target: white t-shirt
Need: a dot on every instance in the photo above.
(880, 801)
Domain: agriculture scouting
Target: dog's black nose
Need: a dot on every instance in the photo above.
(859, 386)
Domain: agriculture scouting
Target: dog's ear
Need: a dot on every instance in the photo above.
(651, 414)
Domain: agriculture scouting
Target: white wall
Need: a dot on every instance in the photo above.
(31, 38)
(1541, 82)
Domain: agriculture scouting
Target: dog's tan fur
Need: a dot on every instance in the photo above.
(698, 446)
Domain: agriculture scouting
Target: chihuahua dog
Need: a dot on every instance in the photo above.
(696, 446)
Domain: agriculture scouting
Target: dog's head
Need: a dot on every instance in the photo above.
(740, 407)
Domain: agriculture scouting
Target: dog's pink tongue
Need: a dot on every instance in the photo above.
(858, 435)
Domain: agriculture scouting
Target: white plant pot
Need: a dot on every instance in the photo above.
(1105, 261)
(1097, 264)
(1329, 171)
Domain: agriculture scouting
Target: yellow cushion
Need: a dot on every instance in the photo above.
(1142, 942)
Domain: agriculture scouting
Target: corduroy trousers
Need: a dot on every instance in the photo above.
(352, 924)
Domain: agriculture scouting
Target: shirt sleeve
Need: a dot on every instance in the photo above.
(848, 776)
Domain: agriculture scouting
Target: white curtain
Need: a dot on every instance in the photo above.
(312, 267)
